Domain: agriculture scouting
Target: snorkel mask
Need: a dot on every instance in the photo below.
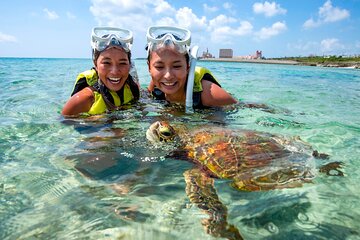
(104, 37)
(179, 39)
(166, 36)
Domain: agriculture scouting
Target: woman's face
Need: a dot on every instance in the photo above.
(168, 69)
(113, 67)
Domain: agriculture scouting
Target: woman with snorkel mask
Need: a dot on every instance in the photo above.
(169, 65)
(108, 85)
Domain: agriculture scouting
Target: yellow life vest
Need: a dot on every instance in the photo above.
(199, 75)
(129, 93)
(85, 79)
(99, 106)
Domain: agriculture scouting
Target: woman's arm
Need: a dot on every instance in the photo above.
(81, 102)
(215, 96)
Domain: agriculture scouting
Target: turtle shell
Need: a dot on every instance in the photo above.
(253, 160)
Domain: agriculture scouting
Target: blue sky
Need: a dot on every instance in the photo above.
(61, 28)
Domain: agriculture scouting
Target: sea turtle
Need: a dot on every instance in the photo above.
(253, 160)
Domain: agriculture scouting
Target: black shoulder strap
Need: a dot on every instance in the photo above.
(101, 88)
(80, 85)
(108, 98)
(210, 78)
(133, 87)
(120, 93)
(197, 103)
(106, 95)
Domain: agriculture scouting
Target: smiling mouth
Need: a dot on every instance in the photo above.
(114, 80)
(169, 84)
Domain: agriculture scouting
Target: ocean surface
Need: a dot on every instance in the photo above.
(101, 179)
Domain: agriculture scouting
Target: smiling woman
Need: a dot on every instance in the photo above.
(108, 85)
(168, 60)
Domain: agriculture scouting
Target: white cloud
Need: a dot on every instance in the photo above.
(221, 32)
(166, 21)
(51, 15)
(268, 9)
(331, 45)
(222, 35)
(274, 30)
(135, 14)
(245, 28)
(7, 38)
(209, 9)
(70, 15)
(229, 7)
(220, 21)
(126, 14)
(327, 14)
(164, 7)
(186, 18)
(310, 23)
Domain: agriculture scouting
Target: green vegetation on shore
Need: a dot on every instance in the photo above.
(339, 61)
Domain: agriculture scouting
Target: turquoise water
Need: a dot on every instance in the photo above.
(62, 179)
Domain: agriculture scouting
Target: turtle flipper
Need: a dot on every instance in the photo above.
(200, 190)
(332, 169)
(318, 155)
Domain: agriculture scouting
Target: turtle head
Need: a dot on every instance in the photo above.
(160, 131)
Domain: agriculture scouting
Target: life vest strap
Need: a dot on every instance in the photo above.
(108, 98)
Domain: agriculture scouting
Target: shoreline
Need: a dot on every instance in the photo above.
(352, 65)
(264, 61)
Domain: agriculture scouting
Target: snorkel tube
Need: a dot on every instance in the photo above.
(190, 81)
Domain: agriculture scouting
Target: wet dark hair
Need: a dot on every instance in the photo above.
(174, 35)
(96, 54)
(186, 57)
(177, 38)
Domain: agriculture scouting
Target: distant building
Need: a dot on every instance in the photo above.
(226, 53)
(207, 54)
(257, 55)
